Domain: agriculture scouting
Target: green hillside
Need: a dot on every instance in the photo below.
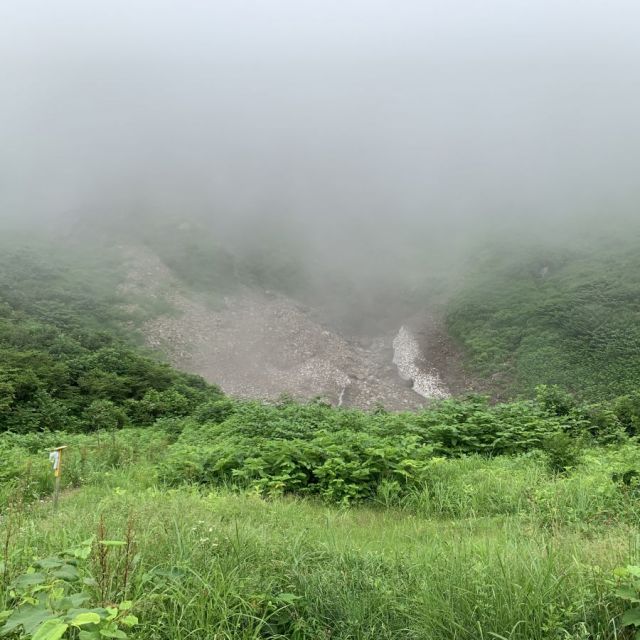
(189, 514)
(555, 316)
(66, 360)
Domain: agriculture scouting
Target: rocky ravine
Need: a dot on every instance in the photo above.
(261, 345)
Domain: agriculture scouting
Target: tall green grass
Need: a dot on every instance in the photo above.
(234, 566)
(498, 548)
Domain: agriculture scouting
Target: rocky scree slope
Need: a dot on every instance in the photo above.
(261, 344)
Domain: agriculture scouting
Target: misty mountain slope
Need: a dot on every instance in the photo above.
(261, 344)
(567, 316)
(67, 357)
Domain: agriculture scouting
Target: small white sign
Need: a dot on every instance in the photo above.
(54, 459)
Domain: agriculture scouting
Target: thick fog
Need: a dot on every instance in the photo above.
(355, 124)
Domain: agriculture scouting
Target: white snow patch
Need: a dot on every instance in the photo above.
(408, 358)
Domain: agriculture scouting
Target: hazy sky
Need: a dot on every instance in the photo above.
(345, 115)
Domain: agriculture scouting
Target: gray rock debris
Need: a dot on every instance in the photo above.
(262, 344)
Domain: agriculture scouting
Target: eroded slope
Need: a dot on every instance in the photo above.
(258, 344)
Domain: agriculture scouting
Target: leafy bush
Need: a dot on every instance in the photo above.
(349, 455)
(562, 451)
(104, 415)
(56, 598)
(628, 590)
(216, 411)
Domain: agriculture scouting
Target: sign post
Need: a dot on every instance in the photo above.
(55, 457)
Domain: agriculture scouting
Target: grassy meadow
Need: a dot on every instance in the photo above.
(485, 548)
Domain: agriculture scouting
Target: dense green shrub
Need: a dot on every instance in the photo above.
(104, 415)
(349, 455)
(339, 466)
(627, 410)
(215, 411)
(562, 451)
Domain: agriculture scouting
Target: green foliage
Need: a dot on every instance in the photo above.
(628, 590)
(58, 373)
(469, 519)
(7, 395)
(233, 565)
(64, 364)
(56, 598)
(348, 456)
(215, 412)
(554, 400)
(104, 415)
(450, 547)
(627, 410)
(532, 315)
(562, 451)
